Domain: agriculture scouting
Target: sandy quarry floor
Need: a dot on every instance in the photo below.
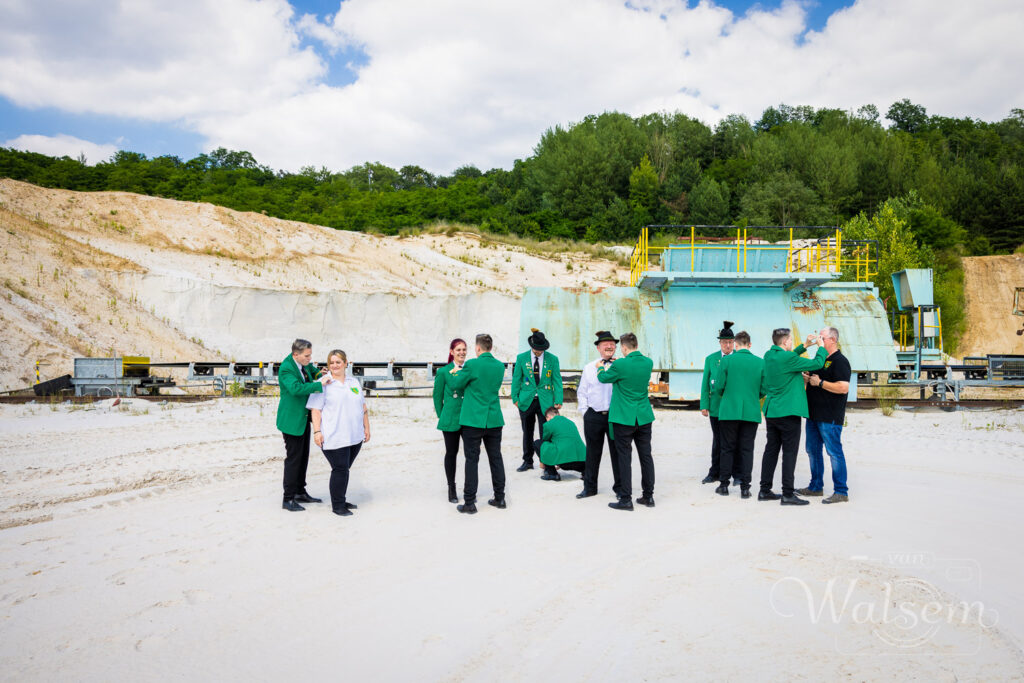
(146, 543)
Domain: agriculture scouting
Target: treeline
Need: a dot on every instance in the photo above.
(604, 177)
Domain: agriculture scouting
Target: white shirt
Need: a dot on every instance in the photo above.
(591, 393)
(341, 413)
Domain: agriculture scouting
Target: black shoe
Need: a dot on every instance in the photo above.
(744, 491)
(344, 512)
(453, 497)
(767, 495)
(291, 506)
(468, 508)
(498, 503)
(794, 500)
(621, 504)
(709, 480)
(551, 476)
(647, 501)
(306, 498)
(722, 490)
(586, 494)
(351, 506)
(525, 466)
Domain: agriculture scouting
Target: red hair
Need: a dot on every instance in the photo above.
(451, 347)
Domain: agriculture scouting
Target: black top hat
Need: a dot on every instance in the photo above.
(726, 331)
(605, 335)
(537, 341)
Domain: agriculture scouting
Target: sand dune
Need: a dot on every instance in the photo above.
(103, 274)
(989, 283)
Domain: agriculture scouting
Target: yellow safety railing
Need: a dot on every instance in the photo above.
(820, 256)
(638, 259)
(906, 330)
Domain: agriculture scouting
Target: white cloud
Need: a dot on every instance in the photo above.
(62, 145)
(153, 60)
(450, 82)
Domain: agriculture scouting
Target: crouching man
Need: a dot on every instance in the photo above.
(560, 446)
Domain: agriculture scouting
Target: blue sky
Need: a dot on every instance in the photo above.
(445, 83)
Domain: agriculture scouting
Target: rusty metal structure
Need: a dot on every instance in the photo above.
(676, 305)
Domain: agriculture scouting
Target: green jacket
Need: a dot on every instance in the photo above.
(739, 385)
(631, 404)
(481, 379)
(784, 385)
(561, 442)
(447, 400)
(709, 399)
(296, 386)
(549, 392)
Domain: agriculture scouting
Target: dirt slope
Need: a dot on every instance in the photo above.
(989, 283)
(61, 252)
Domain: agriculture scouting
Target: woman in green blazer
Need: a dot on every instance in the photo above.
(448, 405)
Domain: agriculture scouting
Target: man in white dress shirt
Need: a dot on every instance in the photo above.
(593, 400)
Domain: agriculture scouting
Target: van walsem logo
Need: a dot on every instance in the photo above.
(904, 613)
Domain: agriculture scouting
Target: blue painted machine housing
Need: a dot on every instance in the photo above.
(677, 313)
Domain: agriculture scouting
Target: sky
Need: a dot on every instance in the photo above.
(446, 83)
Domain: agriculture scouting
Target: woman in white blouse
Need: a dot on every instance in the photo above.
(341, 425)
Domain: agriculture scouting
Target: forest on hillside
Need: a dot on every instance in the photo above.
(604, 177)
(928, 188)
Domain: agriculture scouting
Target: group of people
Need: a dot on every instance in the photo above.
(793, 388)
(613, 400)
(328, 408)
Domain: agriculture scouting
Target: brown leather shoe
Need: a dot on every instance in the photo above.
(836, 498)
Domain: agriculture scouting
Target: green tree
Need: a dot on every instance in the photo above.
(709, 203)
(782, 200)
(643, 192)
(907, 116)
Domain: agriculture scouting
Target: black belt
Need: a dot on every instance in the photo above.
(599, 412)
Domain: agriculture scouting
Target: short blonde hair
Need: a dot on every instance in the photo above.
(337, 352)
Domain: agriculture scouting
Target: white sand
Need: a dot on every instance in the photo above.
(147, 543)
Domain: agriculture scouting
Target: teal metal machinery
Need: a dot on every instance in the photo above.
(677, 310)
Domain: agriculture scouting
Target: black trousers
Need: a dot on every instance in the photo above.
(296, 460)
(532, 415)
(716, 452)
(451, 453)
(576, 466)
(625, 437)
(784, 433)
(491, 438)
(737, 450)
(595, 432)
(341, 460)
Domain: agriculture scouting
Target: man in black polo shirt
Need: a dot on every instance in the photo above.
(827, 390)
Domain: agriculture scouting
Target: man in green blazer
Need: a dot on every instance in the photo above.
(709, 400)
(561, 445)
(739, 385)
(784, 404)
(480, 417)
(297, 378)
(536, 386)
(630, 416)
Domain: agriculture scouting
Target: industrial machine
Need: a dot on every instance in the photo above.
(723, 273)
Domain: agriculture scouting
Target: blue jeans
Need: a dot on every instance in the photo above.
(826, 434)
